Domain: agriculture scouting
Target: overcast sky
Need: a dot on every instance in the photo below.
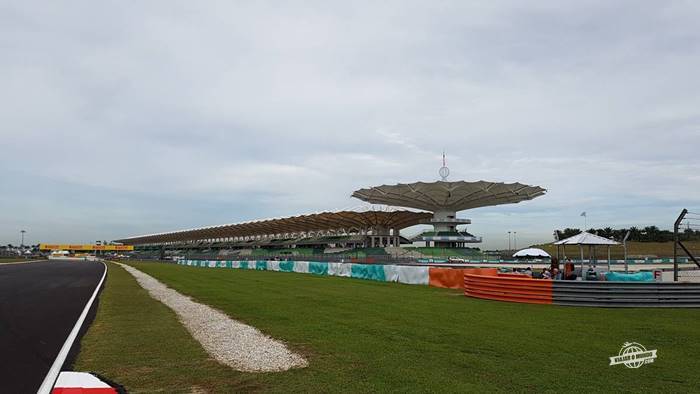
(123, 118)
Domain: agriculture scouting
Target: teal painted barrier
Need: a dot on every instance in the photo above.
(287, 266)
(636, 277)
(318, 268)
(261, 265)
(244, 265)
(368, 271)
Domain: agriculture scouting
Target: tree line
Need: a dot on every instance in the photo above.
(646, 234)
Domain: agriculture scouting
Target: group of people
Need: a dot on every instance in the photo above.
(553, 271)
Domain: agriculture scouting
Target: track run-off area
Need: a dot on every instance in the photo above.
(366, 336)
(40, 303)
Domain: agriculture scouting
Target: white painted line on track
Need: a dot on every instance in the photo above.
(52, 375)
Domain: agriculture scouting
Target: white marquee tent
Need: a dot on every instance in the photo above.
(587, 239)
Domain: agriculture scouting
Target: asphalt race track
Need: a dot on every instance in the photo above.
(39, 305)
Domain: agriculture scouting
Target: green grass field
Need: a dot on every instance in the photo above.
(364, 336)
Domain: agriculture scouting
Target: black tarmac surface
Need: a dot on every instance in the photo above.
(39, 305)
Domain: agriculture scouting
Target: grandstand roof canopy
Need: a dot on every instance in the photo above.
(443, 195)
(388, 218)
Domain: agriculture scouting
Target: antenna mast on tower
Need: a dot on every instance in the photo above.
(444, 171)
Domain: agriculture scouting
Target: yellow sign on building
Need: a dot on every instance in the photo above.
(86, 247)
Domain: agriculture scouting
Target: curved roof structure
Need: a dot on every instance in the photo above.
(388, 218)
(586, 238)
(531, 252)
(453, 196)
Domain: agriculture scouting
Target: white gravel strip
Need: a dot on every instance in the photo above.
(230, 342)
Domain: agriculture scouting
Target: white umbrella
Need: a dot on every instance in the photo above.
(531, 252)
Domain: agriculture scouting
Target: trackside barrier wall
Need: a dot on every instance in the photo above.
(301, 267)
(633, 277)
(446, 277)
(582, 293)
(415, 275)
(508, 288)
(601, 261)
(453, 278)
(286, 266)
(627, 294)
(368, 271)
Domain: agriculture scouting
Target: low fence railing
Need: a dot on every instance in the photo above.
(519, 288)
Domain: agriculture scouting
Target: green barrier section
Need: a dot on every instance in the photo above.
(229, 264)
(366, 271)
(318, 268)
(287, 266)
(261, 265)
(244, 265)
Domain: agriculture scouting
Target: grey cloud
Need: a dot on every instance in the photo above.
(266, 109)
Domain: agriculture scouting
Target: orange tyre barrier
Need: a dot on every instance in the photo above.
(508, 287)
(453, 278)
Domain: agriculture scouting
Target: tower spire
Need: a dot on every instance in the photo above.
(444, 171)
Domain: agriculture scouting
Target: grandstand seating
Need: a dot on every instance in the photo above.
(447, 252)
(286, 251)
(443, 234)
(336, 250)
(400, 252)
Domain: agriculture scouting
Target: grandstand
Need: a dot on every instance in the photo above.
(370, 227)
(368, 231)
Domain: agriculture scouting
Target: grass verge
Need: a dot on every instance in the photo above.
(11, 260)
(138, 342)
(364, 336)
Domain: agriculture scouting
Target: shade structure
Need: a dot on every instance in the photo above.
(586, 238)
(369, 218)
(450, 196)
(531, 252)
(445, 199)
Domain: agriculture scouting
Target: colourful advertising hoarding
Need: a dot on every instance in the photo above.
(86, 247)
